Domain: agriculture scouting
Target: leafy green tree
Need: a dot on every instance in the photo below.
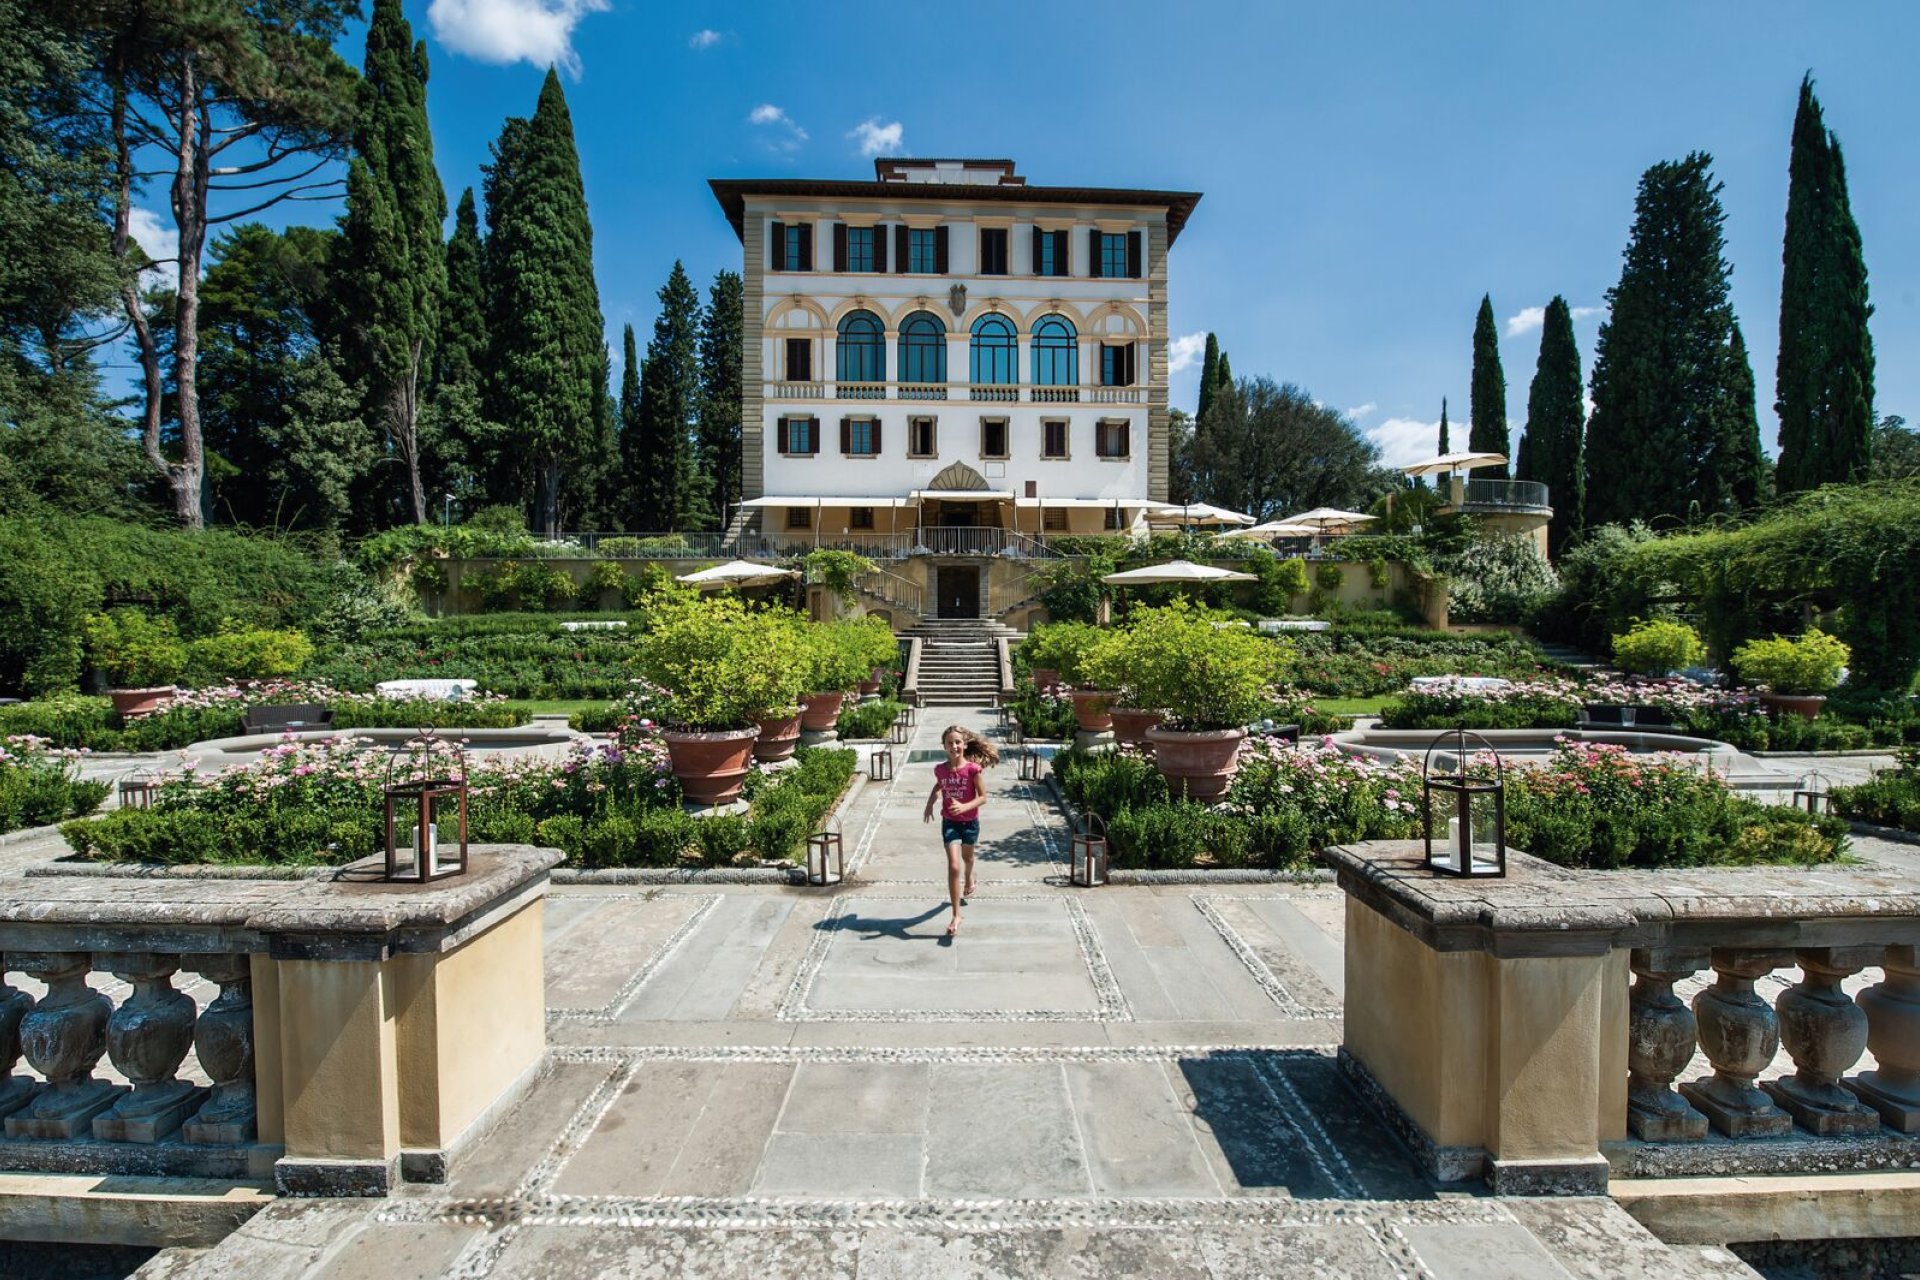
(1179, 456)
(1270, 450)
(1209, 375)
(1896, 450)
(1488, 407)
(722, 347)
(667, 490)
(1824, 379)
(393, 275)
(1666, 437)
(545, 322)
(1553, 445)
(321, 450)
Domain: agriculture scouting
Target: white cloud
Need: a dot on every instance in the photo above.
(705, 38)
(159, 241)
(536, 31)
(786, 134)
(878, 139)
(1581, 313)
(1404, 441)
(1361, 410)
(1530, 319)
(1184, 352)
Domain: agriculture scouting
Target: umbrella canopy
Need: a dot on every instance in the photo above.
(1455, 462)
(1176, 571)
(1197, 513)
(1323, 518)
(1273, 529)
(737, 573)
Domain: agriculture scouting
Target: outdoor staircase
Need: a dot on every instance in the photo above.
(960, 661)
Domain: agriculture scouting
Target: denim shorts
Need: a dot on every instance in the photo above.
(954, 829)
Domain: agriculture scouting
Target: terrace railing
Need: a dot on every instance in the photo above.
(1505, 495)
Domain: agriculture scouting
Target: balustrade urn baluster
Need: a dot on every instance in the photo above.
(1661, 1034)
(63, 1036)
(15, 1091)
(1825, 1033)
(1740, 1035)
(1892, 1007)
(223, 1039)
(148, 1037)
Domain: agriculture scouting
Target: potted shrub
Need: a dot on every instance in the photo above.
(1211, 680)
(776, 663)
(1105, 666)
(1657, 647)
(1052, 652)
(1797, 674)
(836, 662)
(141, 657)
(699, 651)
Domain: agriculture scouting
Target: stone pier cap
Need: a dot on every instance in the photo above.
(347, 913)
(1540, 909)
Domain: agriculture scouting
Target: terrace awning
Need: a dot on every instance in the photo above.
(1103, 504)
(876, 501)
(963, 495)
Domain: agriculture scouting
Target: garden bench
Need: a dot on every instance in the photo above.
(288, 715)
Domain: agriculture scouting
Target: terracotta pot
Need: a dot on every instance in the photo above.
(779, 735)
(1130, 724)
(820, 711)
(1805, 705)
(869, 689)
(1093, 708)
(140, 702)
(1199, 766)
(1045, 678)
(711, 766)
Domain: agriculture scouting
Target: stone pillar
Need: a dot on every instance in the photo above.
(63, 1036)
(1893, 1034)
(1661, 1034)
(15, 1091)
(224, 1040)
(1825, 1033)
(1740, 1035)
(148, 1037)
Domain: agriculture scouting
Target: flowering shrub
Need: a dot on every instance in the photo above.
(1498, 578)
(1548, 703)
(1349, 662)
(39, 784)
(1342, 797)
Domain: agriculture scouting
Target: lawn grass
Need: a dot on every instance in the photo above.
(554, 706)
(1351, 706)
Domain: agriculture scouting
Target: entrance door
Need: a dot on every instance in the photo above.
(958, 589)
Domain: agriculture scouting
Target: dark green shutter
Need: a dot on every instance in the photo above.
(879, 248)
(940, 250)
(778, 259)
(806, 247)
(813, 435)
(876, 437)
(1093, 253)
(1062, 253)
(839, 246)
(846, 435)
(782, 438)
(1037, 233)
(901, 248)
(1134, 253)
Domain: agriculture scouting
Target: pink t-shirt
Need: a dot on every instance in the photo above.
(957, 786)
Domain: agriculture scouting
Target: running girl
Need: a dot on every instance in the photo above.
(957, 782)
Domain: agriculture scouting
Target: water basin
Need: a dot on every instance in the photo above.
(549, 741)
(1534, 746)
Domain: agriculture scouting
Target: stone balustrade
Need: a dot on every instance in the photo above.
(1537, 1029)
(360, 1031)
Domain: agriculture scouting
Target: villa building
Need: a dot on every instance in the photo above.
(945, 367)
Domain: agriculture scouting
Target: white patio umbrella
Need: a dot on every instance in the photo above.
(1197, 513)
(737, 573)
(1449, 462)
(1273, 529)
(1321, 519)
(1176, 571)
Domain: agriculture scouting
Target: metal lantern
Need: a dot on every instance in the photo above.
(900, 729)
(824, 844)
(1029, 765)
(880, 764)
(1814, 794)
(1464, 806)
(1087, 865)
(418, 812)
(138, 789)
(912, 712)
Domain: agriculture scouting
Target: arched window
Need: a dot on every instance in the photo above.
(862, 348)
(923, 349)
(1056, 353)
(995, 352)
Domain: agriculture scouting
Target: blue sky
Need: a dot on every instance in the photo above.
(1369, 170)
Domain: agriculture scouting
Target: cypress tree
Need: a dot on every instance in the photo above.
(469, 446)
(545, 324)
(1209, 376)
(1224, 378)
(396, 273)
(1660, 433)
(628, 412)
(668, 489)
(1824, 379)
(1739, 467)
(1487, 408)
(1552, 447)
(718, 428)
(1445, 441)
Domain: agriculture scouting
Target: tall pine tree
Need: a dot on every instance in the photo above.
(1553, 445)
(1446, 444)
(1663, 440)
(627, 415)
(1487, 408)
(717, 430)
(1824, 380)
(395, 272)
(546, 329)
(667, 487)
(1209, 376)
(1740, 467)
(469, 445)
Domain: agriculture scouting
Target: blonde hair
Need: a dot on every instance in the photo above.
(977, 748)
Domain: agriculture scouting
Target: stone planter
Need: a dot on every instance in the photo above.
(1093, 710)
(779, 736)
(820, 711)
(1198, 765)
(869, 689)
(1805, 705)
(140, 702)
(1130, 724)
(711, 766)
(1045, 678)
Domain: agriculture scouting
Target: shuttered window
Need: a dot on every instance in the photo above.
(860, 517)
(860, 437)
(993, 251)
(798, 436)
(799, 517)
(1116, 364)
(993, 437)
(1053, 439)
(799, 360)
(854, 247)
(1113, 439)
(1050, 253)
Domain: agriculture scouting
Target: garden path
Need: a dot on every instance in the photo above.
(761, 1081)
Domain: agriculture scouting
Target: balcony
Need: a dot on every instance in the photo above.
(1528, 497)
(979, 393)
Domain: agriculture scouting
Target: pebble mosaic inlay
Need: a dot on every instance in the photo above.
(1262, 973)
(613, 1008)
